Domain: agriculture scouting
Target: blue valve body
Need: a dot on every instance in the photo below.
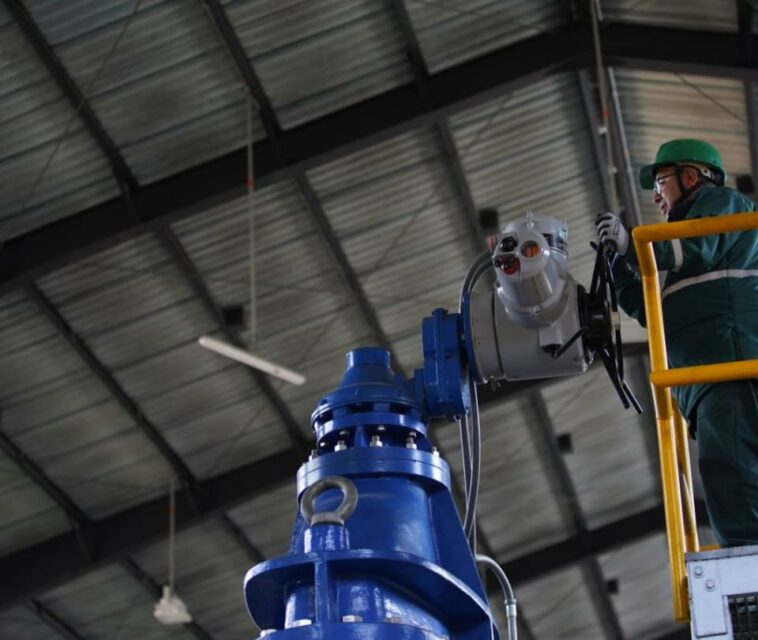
(400, 567)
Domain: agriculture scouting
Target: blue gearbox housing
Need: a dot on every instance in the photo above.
(396, 563)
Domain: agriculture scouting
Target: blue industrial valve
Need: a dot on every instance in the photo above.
(377, 550)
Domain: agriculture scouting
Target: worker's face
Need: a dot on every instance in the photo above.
(666, 189)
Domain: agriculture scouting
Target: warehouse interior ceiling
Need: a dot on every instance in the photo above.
(379, 130)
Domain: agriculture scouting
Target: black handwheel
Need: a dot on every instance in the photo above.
(603, 329)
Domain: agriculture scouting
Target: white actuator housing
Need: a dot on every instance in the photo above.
(534, 309)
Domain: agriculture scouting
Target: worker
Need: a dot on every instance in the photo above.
(710, 310)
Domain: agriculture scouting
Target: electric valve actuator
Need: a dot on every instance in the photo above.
(533, 312)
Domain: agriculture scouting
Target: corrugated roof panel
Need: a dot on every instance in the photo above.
(111, 474)
(70, 431)
(643, 579)
(46, 176)
(532, 150)
(294, 273)
(210, 568)
(20, 622)
(657, 107)
(200, 395)
(268, 519)
(517, 510)
(59, 399)
(237, 434)
(388, 179)
(708, 15)
(106, 270)
(431, 272)
(404, 231)
(35, 366)
(317, 57)
(132, 300)
(186, 101)
(609, 464)
(70, 20)
(155, 331)
(451, 33)
(143, 327)
(29, 516)
(108, 603)
(21, 325)
(560, 606)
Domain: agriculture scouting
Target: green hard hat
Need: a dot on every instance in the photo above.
(682, 151)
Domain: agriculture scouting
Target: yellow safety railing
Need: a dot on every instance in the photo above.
(676, 476)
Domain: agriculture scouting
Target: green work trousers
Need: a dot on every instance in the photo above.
(727, 436)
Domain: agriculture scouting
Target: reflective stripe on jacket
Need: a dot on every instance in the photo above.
(710, 294)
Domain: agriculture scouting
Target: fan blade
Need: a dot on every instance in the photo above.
(245, 357)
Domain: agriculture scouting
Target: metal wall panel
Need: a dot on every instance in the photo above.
(317, 57)
(454, 32)
(660, 106)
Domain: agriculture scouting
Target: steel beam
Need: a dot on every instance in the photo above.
(333, 136)
(253, 553)
(47, 564)
(43, 250)
(109, 381)
(54, 621)
(565, 492)
(242, 63)
(300, 179)
(67, 556)
(50, 563)
(35, 473)
(442, 126)
(745, 19)
(194, 278)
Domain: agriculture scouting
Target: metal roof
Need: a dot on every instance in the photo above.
(383, 141)
(718, 15)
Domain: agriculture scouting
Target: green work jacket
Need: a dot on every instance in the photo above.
(710, 293)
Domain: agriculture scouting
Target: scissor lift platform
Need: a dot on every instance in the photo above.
(723, 593)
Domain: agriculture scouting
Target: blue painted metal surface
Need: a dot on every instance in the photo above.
(400, 567)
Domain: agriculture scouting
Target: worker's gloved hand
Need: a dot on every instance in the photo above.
(611, 232)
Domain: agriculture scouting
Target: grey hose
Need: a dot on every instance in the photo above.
(511, 609)
(470, 433)
(472, 491)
